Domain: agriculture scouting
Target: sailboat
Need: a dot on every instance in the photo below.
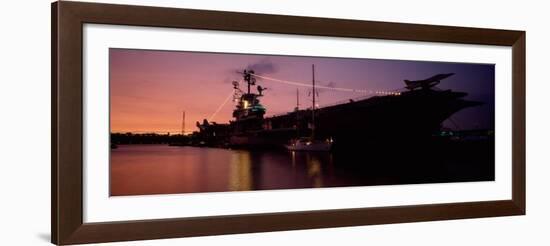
(310, 143)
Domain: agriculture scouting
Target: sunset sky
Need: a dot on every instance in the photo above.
(150, 89)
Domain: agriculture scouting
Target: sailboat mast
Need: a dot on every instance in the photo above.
(183, 124)
(313, 108)
(297, 99)
(297, 111)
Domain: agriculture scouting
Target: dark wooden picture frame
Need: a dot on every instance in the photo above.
(67, 122)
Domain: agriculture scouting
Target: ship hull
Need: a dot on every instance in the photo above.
(410, 117)
(261, 138)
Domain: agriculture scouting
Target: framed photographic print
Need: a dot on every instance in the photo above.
(174, 122)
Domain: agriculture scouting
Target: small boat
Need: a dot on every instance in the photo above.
(308, 144)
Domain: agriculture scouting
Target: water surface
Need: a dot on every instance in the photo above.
(163, 169)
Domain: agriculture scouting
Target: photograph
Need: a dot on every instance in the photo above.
(190, 122)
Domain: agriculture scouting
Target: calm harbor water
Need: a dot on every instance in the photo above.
(163, 169)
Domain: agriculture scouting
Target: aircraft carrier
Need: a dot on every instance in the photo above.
(405, 117)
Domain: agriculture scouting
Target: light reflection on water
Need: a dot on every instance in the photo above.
(240, 177)
(161, 169)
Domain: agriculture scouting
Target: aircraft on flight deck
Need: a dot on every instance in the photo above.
(427, 83)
